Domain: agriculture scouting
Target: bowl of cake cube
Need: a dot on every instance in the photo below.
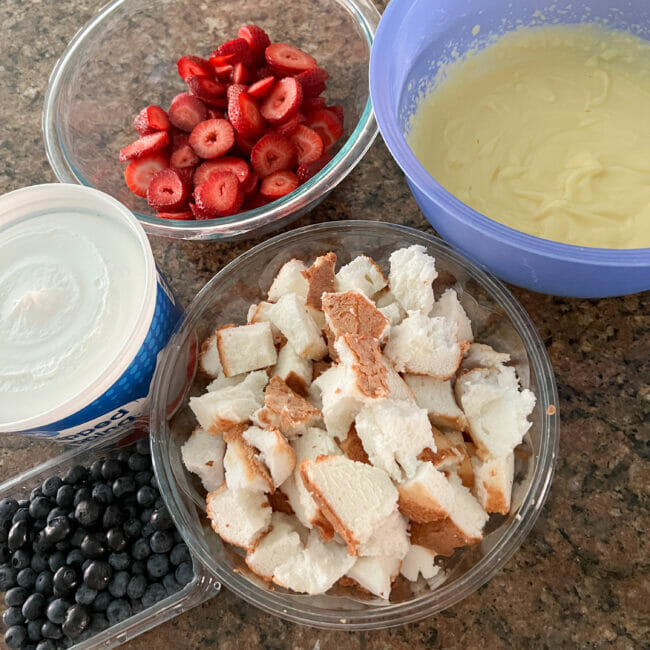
(371, 430)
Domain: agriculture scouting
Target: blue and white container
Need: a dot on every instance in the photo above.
(84, 314)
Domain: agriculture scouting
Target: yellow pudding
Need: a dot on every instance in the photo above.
(546, 130)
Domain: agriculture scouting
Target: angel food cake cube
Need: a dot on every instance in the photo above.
(411, 277)
(246, 348)
(362, 274)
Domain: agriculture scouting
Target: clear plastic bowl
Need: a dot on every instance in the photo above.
(497, 319)
(125, 58)
(412, 38)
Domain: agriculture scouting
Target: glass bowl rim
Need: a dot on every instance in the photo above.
(431, 602)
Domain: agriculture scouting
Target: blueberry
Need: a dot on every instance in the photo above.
(33, 607)
(159, 503)
(116, 539)
(85, 595)
(119, 561)
(41, 544)
(103, 493)
(44, 583)
(22, 514)
(85, 565)
(57, 511)
(76, 475)
(180, 553)
(16, 596)
(17, 536)
(46, 644)
(138, 462)
(76, 621)
(170, 584)
(140, 549)
(143, 478)
(20, 559)
(153, 593)
(161, 541)
(58, 529)
(87, 512)
(145, 515)
(78, 536)
(56, 610)
(56, 561)
(51, 486)
(13, 616)
(38, 562)
(138, 567)
(130, 509)
(157, 565)
(161, 519)
(64, 545)
(15, 636)
(119, 610)
(111, 469)
(96, 469)
(98, 623)
(117, 586)
(26, 577)
(65, 496)
(148, 530)
(113, 517)
(102, 601)
(66, 580)
(146, 496)
(132, 528)
(39, 507)
(97, 575)
(8, 577)
(153, 482)
(123, 485)
(8, 509)
(75, 557)
(93, 546)
(184, 573)
(36, 492)
(136, 587)
(5, 553)
(82, 493)
(34, 629)
(142, 446)
(50, 630)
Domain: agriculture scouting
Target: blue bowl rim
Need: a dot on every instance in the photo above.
(381, 96)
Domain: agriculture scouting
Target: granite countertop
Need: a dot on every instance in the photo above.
(580, 579)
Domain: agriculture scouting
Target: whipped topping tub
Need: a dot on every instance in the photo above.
(83, 313)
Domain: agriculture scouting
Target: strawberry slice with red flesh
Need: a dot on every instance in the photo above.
(234, 90)
(185, 215)
(231, 52)
(241, 74)
(245, 144)
(313, 104)
(186, 111)
(151, 119)
(183, 157)
(168, 191)
(237, 166)
(287, 128)
(189, 66)
(307, 143)
(255, 200)
(257, 40)
(208, 90)
(272, 153)
(139, 172)
(200, 213)
(145, 145)
(212, 138)
(283, 101)
(214, 114)
(245, 117)
(337, 109)
(307, 170)
(287, 59)
(263, 72)
(250, 186)
(326, 124)
(313, 81)
(223, 72)
(221, 195)
(278, 184)
(261, 88)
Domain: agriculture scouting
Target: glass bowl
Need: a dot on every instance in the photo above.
(497, 319)
(125, 58)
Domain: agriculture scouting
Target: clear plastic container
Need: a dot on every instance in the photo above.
(202, 587)
(125, 58)
(497, 319)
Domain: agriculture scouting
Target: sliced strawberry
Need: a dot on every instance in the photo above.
(257, 40)
(261, 88)
(286, 128)
(241, 74)
(288, 59)
(179, 138)
(234, 90)
(313, 103)
(183, 157)
(245, 144)
(168, 191)
(145, 145)
(313, 81)
(212, 138)
(326, 124)
(151, 119)
(244, 116)
(255, 200)
(235, 51)
(214, 114)
(186, 111)
(185, 215)
(264, 71)
(221, 195)
(337, 109)
(139, 172)
(278, 184)
(208, 90)
(306, 171)
(250, 186)
(283, 101)
(189, 66)
(272, 153)
(200, 213)
(307, 143)
(223, 72)
(237, 166)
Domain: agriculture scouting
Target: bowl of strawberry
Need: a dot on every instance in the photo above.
(214, 122)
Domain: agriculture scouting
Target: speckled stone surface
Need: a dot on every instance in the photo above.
(581, 577)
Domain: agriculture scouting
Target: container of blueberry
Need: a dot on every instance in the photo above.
(89, 555)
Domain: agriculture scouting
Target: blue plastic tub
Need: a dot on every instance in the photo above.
(415, 34)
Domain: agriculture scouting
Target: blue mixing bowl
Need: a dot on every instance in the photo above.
(412, 37)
